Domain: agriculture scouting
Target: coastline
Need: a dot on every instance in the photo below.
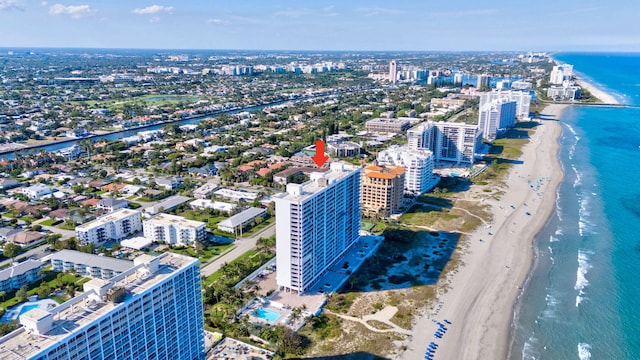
(481, 296)
(597, 92)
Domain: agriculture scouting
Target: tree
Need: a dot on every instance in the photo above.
(22, 293)
(11, 250)
(2, 295)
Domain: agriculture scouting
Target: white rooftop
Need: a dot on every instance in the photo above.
(67, 318)
(319, 181)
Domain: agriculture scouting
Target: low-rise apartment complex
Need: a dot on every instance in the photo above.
(174, 230)
(112, 227)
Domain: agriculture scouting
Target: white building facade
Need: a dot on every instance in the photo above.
(152, 311)
(112, 227)
(448, 141)
(418, 164)
(316, 223)
(522, 99)
(174, 230)
(496, 115)
(35, 192)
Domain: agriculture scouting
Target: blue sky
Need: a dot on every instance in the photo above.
(560, 25)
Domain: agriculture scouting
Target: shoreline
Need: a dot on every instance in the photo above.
(495, 270)
(602, 95)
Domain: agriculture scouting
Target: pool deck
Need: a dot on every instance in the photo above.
(14, 312)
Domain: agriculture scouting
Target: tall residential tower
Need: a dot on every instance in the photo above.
(316, 223)
(151, 311)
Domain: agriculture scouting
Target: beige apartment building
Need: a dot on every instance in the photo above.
(382, 189)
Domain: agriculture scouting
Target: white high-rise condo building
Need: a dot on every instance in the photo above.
(113, 227)
(151, 311)
(497, 115)
(448, 141)
(522, 99)
(418, 164)
(316, 223)
(483, 81)
(175, 230)
(393, 72)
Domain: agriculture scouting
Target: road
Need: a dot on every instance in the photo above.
(242, 246)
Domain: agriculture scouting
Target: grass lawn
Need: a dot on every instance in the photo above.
(208, 253)
(425, 215)
(259, 227)
(251, 254)
(50, 222)
(65, 226)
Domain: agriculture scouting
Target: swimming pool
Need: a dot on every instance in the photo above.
(265, 314)
(27, 308)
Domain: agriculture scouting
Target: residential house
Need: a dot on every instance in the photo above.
(111, 204)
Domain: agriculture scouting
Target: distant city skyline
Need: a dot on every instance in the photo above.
(498, 25)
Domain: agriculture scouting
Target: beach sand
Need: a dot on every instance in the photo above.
(603, 96)
(481, 296)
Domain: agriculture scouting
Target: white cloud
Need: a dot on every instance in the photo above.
(11, 5)
(234, 20)
(75, 11)
(153, 9)
(371, 11)
(293, 13)
(470, 12)
(218, 21)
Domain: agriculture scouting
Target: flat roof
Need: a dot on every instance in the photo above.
(104, 262)
(86, 307)
(116, 215)
(338, 171)
(166, 219)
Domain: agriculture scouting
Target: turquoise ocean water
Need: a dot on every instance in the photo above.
(582, 300)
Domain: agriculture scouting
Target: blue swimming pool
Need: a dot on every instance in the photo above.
(270, 316)
(27, 308)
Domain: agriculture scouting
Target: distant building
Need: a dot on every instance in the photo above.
(210, 204)
(387, 125)
(483, 81)
(343, 148)
(316, 223)
(497, 115)
(112, 204)
(522, 99)
(172, 183)
(382, 190)
(37, 191)
(568, 92)
(20, 274)
(393, 72)
(101, 267)
(448, 141)
(204, 191)
(239, 221)
(151, 311)
(174, 230)
(167, 204)
(418, 165)
(111, 227)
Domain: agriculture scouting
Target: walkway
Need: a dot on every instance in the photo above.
(383, 316)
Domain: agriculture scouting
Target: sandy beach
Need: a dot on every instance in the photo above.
(480, 298)
(603, 96)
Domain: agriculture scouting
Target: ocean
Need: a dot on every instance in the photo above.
(582, 299)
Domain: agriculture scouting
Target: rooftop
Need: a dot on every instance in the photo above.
(166, 219)
(242, 217)
(67, 318)
(114, 216)
(319, 181)
(19, 269)
(104, 262)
